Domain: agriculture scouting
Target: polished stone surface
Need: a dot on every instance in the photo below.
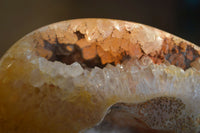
(100, 75)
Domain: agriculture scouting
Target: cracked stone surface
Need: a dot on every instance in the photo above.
(100, 75)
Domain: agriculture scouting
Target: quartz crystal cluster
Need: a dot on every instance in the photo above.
(100, 75)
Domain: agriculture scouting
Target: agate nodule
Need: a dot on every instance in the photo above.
(100, 75)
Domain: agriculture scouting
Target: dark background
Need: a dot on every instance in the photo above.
(19, 17)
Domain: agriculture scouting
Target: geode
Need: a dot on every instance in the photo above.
(100, 75)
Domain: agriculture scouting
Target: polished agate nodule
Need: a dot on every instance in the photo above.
(100, 76)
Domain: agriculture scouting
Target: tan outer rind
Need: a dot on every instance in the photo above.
(97, 42)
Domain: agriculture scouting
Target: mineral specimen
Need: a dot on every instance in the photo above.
(100, 75)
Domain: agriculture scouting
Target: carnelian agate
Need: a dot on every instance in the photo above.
(100, 75)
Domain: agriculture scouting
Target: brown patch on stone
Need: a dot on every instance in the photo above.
(79, 35)
(181, 55)
(70, 53)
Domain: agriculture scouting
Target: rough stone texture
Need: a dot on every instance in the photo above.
(89, 75)
(100, 42)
